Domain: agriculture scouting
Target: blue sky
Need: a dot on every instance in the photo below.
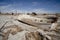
(24, 6)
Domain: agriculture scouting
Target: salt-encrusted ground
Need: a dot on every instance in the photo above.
(11, 20)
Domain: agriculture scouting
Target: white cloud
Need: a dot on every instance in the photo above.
(34, 3)
(10, 8)
(4, 7)
(40, 10)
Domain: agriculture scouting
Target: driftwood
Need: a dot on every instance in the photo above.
(3, 26)
(44, 34)
(6, 35)
(33, 36)
(10, 30)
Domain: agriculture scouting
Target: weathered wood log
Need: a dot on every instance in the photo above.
(3, 26)
(33, 36)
